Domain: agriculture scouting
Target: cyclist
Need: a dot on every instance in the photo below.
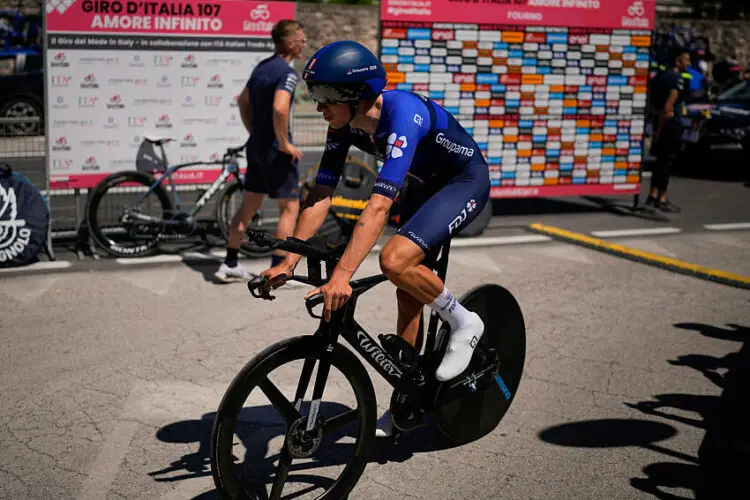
(448, 186)
(265, 106)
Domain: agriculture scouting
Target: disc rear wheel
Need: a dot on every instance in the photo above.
(481, 406)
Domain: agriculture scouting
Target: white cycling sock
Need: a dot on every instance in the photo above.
(450, 310)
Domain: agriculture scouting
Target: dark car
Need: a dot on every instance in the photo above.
(721, 130)
(21, 92)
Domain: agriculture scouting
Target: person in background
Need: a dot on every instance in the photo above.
(265, 106)
(667, 110)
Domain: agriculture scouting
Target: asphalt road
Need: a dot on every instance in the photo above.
(111, 372)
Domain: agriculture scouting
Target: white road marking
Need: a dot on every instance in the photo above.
(649, 231)
(498, 240)
(156, 259)
(727, 227)
(39, 266)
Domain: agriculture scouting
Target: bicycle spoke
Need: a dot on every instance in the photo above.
(304, 380)
(279, 401)
(340, 420)
(285, 463)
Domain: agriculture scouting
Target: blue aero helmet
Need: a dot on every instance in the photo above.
(344, 72)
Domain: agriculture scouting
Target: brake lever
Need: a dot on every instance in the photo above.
(313, 301)
(259, 283)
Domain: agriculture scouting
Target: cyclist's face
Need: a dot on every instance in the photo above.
(337, 115)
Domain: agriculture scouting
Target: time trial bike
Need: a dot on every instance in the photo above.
(465, 408)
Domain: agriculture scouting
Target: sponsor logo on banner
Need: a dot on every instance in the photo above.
(136, 121)
(164, 82)
(71, 123)
(60, 103)
(137, 82)
(188, 158)
(115, 102)
(259, 20)
(215, 82)
(164, 122)
(212, 100)
(90, 164)
(60, 80)
(89, 82)
(135, 142)
(218, 61)
(14, 236)
(119, 164)
(234, 120)
(61, 144)
(152, 101)
(200, 121)
(110, 143)
(59, 61)
(189, 81)
(189, 62)
(188, 102)
(233, 102)
(111, 123)
(162, 61)
(99, 60)
(87, 102)
(635, 17)
(60, 164)
(188, 141)
(136, 62)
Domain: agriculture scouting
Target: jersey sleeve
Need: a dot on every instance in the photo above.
(288, 81)
(338, 142)
(407, 125)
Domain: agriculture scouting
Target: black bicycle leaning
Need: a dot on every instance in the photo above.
(135, 232)
(465, 408)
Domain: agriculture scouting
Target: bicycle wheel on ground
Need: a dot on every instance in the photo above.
(229, 202)
(340, 438)
(478, 412)
(131, 237)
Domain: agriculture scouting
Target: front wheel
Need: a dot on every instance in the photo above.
(310, 435)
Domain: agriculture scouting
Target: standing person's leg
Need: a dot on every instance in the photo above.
(284, 187)
(254, 191)
(670, 151)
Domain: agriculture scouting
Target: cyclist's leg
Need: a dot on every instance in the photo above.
(449, 210)
(284, 187)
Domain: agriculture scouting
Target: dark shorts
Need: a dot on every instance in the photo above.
(429, 216)
(273, 173)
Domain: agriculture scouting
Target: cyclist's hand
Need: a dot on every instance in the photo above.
(335, 295)
(277, 275)
(291, 150)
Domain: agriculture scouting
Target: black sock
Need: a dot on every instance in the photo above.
(231, 258)
(276, 260)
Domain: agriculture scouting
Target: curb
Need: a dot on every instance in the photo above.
(670, 264)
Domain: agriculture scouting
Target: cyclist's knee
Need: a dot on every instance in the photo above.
(394, 262)
(290, 206)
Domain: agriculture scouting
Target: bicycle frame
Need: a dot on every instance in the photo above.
(230, 167)
(343, 324)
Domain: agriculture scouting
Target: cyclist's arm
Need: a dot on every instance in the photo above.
(282, 99)
(246, 111)
(318, 202)
(374, 217)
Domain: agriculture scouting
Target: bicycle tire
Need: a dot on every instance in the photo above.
(476, 414)
(285, 351)
(93, 219)
(223, 220)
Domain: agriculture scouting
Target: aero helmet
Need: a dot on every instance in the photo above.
(344, 72)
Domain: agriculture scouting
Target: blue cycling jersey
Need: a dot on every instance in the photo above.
(414, 136)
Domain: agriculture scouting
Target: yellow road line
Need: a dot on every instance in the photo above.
(679, 266)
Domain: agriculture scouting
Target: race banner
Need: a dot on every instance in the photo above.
(120, 70)
(553, 91)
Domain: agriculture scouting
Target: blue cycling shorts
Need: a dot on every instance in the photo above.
(428, 217)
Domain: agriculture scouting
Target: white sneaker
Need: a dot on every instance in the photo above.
(384, 425)
(233, 274)
(460, 349)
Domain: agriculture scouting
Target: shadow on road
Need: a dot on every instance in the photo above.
(259, 426)
(721, 466)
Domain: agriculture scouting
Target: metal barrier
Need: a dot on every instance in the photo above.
(25, 149)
